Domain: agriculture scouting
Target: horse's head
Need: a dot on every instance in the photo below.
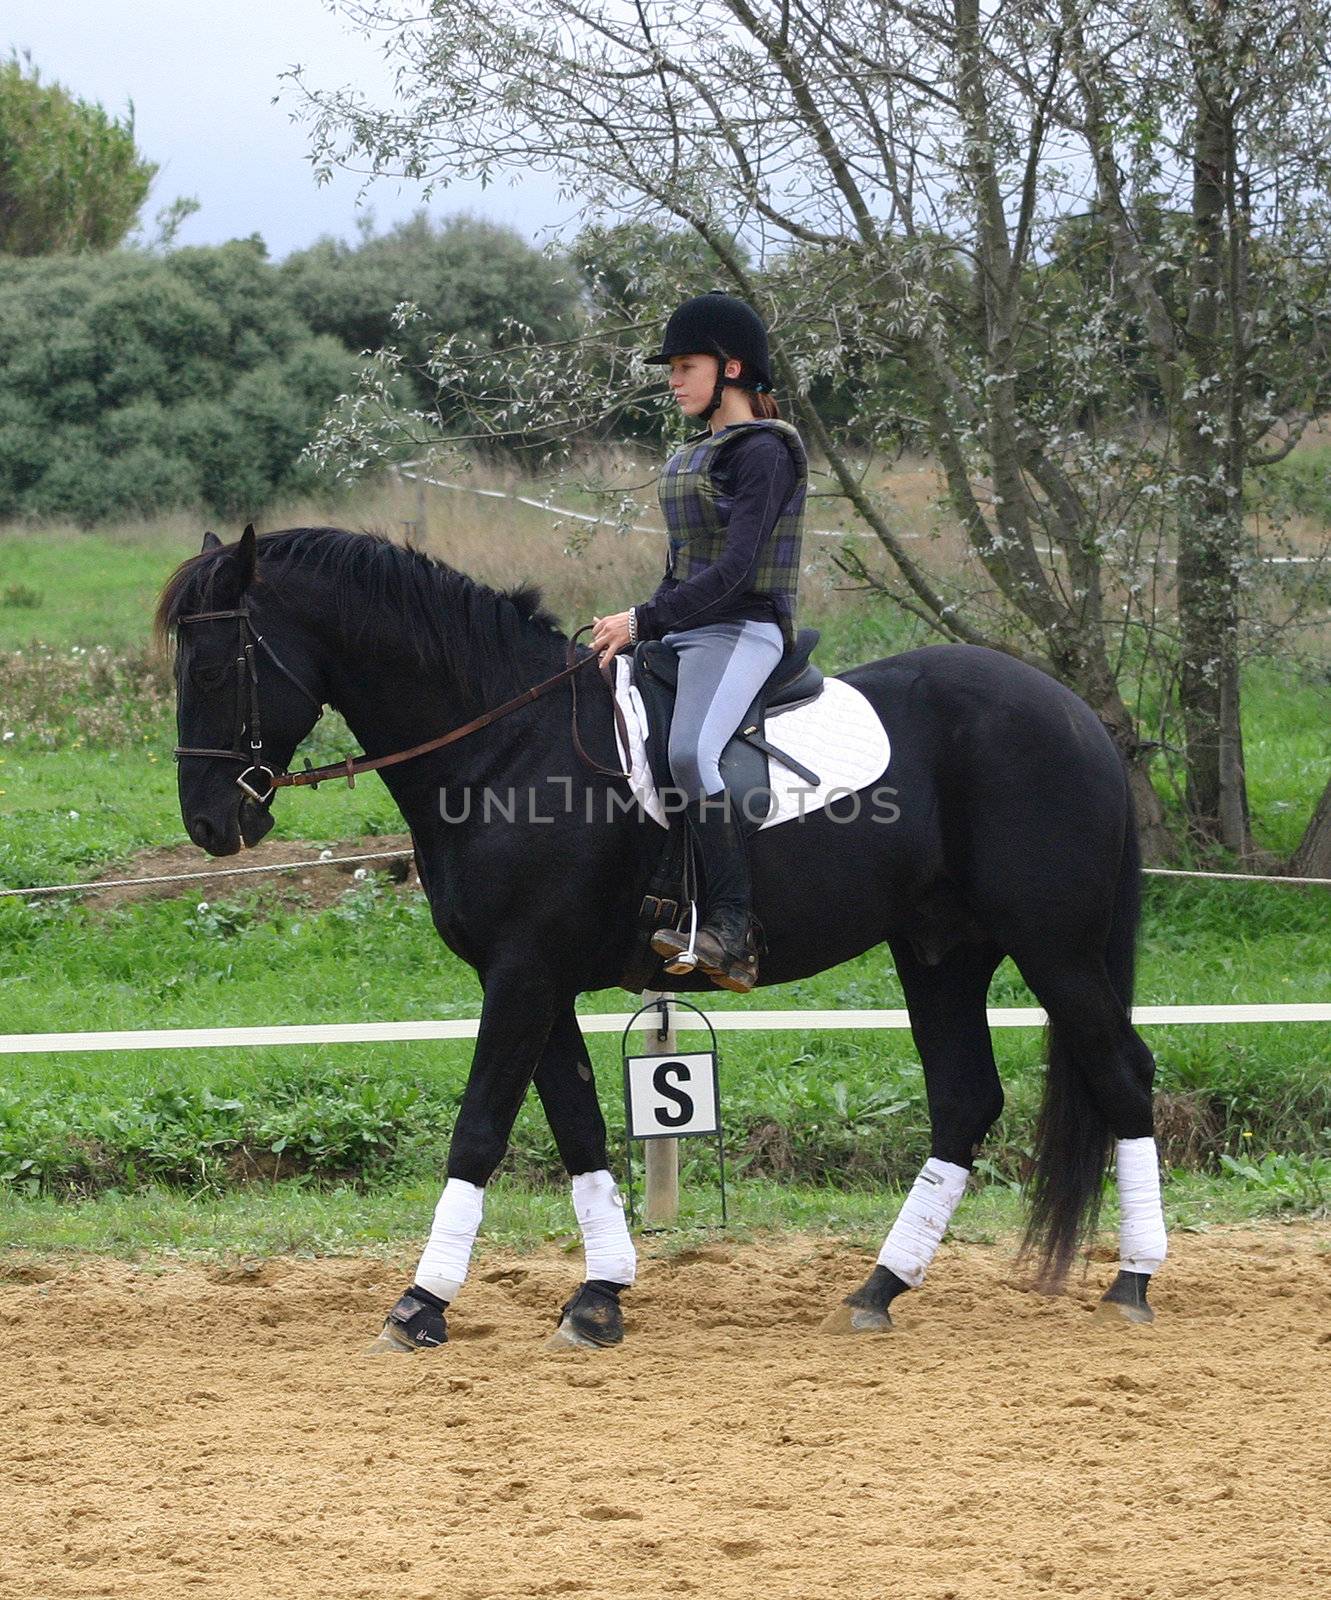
(248, 690)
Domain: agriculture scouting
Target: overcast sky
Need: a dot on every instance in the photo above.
(202, 77)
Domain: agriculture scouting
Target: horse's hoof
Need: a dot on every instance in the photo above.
(590, 1320)
(1125, 1300)
(567, 1337)
(1114, 1312)
(866, 1311)
(390, 1343)
(857, 1319)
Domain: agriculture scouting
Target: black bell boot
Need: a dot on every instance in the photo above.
(725, 946)
(591, 1318)
(416, 1322)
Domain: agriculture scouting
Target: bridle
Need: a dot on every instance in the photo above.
(246, 720)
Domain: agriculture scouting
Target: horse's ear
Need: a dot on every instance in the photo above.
(210, 542)
(246, 555)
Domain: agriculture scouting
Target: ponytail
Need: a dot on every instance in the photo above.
(763, 405)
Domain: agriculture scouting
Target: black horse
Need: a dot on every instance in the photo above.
(1013, 835)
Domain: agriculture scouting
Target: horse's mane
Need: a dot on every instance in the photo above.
(492, 643)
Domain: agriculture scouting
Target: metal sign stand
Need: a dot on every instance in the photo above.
(660, 1156)
(668, 1096)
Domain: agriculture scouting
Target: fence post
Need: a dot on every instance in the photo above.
(661, 1156)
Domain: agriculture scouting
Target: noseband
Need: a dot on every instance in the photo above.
(250, 754)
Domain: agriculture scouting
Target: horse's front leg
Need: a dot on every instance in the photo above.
(518, 1012)
(564, 1081)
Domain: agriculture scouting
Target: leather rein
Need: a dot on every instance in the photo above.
(246, 721)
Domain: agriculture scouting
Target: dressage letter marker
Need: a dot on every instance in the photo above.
(669, 1095)
(672, 1097)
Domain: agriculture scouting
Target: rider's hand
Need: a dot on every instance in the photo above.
(610, 635)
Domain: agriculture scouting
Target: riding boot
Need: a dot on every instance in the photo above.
(725, 946)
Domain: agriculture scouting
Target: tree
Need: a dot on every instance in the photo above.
(71, 178)
(890, 184)
(608, 260)
(1219, 97)
(1312, 859)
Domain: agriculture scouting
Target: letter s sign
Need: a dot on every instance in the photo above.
(675, 1107)
(672, 1097)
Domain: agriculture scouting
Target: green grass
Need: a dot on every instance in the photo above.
(66, 814)
(837, 1107)
(1286, 750)
(842, 1109)
(157, 1223)
(91, 588)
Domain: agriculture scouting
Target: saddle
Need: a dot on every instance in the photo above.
(744, 761)
(744, 766)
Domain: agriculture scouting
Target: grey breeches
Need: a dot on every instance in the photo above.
(722, 665)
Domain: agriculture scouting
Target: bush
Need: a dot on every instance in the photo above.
(131, 384)
(467, 278)
(341, 1126)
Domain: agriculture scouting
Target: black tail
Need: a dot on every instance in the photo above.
(1121, 951)
(1072, 1138)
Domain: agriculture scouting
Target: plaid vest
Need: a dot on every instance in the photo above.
(697, 516)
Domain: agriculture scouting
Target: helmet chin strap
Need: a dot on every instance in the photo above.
(718, 393)
(717, 396)
(718, 390)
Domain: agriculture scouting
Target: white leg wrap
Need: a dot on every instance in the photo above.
(922, 1221)
(605, 1233)
(447, 1255)
(1141, 1217)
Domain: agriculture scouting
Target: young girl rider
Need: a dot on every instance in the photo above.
(733, 498)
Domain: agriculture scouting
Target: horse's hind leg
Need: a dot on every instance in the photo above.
(1098, 1089)
(951, 1032)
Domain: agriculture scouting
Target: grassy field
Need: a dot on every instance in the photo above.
(389, 1219)
(817, 1122)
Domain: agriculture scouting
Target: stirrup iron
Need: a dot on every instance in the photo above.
(679, 966)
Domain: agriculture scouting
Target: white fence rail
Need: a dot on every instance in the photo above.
(29, 1044)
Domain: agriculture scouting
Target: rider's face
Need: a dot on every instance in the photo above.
(693, 378)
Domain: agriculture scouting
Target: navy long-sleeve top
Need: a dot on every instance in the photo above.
(753, 479)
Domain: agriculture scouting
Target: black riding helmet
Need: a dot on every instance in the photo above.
(717, 324)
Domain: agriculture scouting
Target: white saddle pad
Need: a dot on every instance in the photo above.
(839, 736)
